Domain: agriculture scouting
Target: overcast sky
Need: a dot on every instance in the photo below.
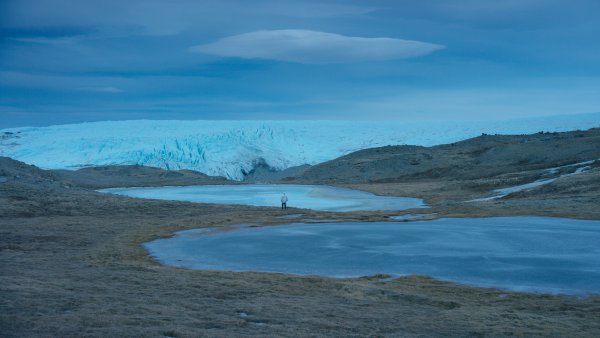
(66, 61)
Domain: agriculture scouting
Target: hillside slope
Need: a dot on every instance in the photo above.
(134, 176)
(103, 176)
(480, 157)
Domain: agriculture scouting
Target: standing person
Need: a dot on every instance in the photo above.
(284, 200)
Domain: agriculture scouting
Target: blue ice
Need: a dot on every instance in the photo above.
(518, 253)
(300, 196)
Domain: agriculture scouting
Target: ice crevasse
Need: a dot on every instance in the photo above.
(233, 148)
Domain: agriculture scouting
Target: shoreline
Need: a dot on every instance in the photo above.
(215, 231)
(74, 265)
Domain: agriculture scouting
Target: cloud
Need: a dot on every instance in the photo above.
(111, 90)
(63, 83)
(166, 18)
(312, 47)
(309, 9)
(65, 40)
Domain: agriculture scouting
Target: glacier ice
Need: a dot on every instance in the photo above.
(233, 148)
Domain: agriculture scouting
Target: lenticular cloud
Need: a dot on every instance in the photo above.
(312, 47)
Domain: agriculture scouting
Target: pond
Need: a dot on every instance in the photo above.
(316, 197)
(518, 253)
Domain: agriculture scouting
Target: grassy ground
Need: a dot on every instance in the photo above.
(72, 265)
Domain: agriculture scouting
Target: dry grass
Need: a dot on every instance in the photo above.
(72, 265)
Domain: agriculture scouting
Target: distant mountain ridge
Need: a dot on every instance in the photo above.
(235, 149)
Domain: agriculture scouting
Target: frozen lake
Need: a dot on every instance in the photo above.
(518, 253)
(314, 197)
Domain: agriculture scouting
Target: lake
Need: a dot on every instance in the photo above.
(552, 255)
(316, 197)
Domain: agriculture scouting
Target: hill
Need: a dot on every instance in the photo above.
(133, 176)
(485, 156)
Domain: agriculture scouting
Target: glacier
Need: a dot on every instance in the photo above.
(233, 148)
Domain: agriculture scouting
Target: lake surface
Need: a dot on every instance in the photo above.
(517, 253)
(314, 197)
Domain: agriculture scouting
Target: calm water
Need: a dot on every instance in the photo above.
(300, 196)
(517, 253)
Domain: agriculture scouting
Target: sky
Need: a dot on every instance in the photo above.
(71, 61)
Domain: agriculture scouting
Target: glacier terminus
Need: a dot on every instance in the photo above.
(234, 148)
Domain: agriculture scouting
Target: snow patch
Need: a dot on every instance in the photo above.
(580, 167)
